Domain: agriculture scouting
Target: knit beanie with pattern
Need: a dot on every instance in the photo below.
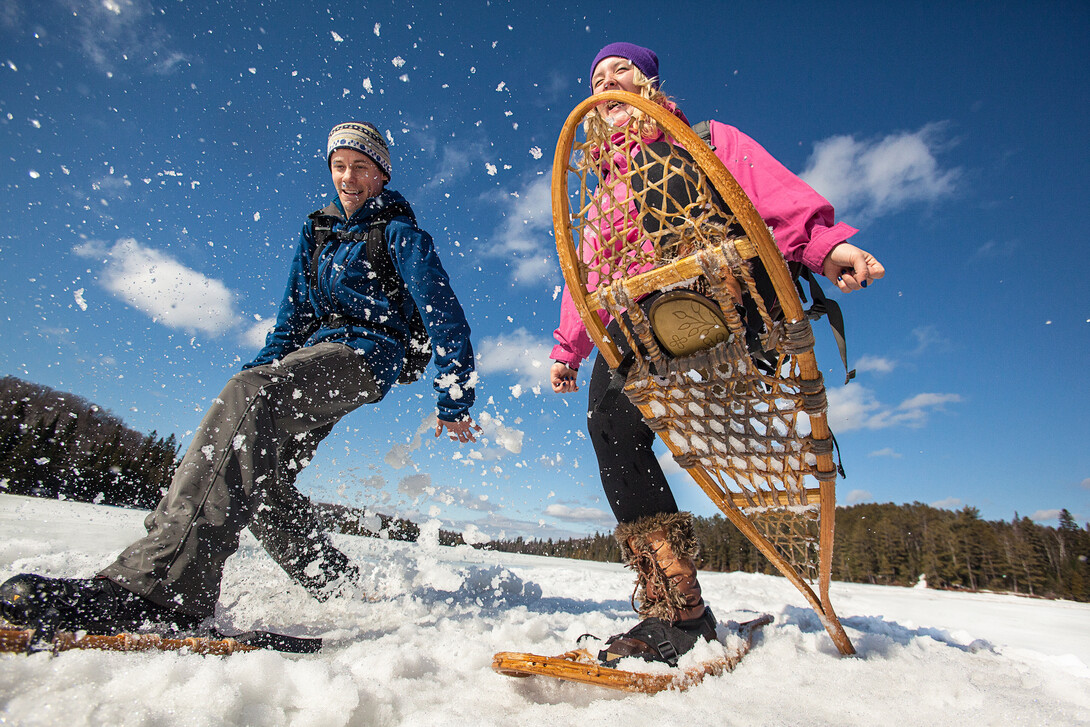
(362, 137)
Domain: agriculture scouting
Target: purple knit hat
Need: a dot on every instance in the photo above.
(643, 58)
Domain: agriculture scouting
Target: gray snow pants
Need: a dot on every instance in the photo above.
(240, 472)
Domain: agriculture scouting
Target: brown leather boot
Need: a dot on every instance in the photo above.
(661, 549)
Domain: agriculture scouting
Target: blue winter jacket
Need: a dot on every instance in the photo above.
(346, 286)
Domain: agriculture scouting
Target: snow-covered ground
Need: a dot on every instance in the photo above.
(419, 651)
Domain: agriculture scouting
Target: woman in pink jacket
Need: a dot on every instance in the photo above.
(656, 539)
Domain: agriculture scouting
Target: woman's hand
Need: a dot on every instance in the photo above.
(851, 268)
(461, 430)
(563, 378)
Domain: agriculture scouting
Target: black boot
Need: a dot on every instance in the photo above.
(94, 605)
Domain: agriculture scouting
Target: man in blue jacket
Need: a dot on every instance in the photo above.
(342, 338)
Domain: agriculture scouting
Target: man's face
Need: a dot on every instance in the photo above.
(356, 177)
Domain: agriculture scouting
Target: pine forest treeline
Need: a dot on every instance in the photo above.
(54, 444)
(896, 545)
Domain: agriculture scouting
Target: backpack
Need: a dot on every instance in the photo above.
(418, 348)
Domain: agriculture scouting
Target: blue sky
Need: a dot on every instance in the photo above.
(159, 159)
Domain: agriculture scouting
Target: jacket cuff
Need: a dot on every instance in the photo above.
(566, 357)
(452, 414)
(823, 242)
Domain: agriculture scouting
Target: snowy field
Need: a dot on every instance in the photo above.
(419, 651)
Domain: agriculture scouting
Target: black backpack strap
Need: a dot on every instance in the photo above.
(618, 377)
(822, 306)
(322, 222)
(418, 348)
(378, 252)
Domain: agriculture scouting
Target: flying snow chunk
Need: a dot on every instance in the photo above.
(257, 216)
(252, 70)
(491, 169)
(398, 61)
(367, 86)
(34, 175)
(535, 152)
(378, 28)
(501, 86)
(336, 37)
(78, 295)
(404, 78)
(472, 535)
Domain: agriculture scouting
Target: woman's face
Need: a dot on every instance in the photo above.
(356, 177)
(614, 74)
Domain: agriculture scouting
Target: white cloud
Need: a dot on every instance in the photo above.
(950, 503)
(669, 465)
(162, 287)
(493, 428)
(519, 353)
(1085, 484)
(928, 338)
(886, 452)
(254, 336)
(524, 239)
(1045, 515)
(580, 514)
(869, 178)
(115, 34)
(996, 249)
(877, 364)
(855, 407)
(927, 401)
(857, 496)
(455, 160)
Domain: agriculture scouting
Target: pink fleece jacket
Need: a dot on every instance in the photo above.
(802, 222)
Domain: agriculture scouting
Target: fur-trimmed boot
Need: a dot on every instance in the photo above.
(661, 549)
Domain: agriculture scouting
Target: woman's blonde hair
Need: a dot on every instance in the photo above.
(596, 127)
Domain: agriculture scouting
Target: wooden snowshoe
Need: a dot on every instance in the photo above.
(721, 364)
(580, 666)
(26, 641)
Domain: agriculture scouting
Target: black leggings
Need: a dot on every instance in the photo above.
(631, 476)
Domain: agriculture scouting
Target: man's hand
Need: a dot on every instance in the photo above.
(563, 378)
(463, 430)
(851, 268)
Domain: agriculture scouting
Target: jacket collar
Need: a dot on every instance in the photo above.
(370, 208)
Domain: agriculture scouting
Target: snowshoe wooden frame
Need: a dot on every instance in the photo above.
(24, 641)
(581, 666)
(752, 434)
